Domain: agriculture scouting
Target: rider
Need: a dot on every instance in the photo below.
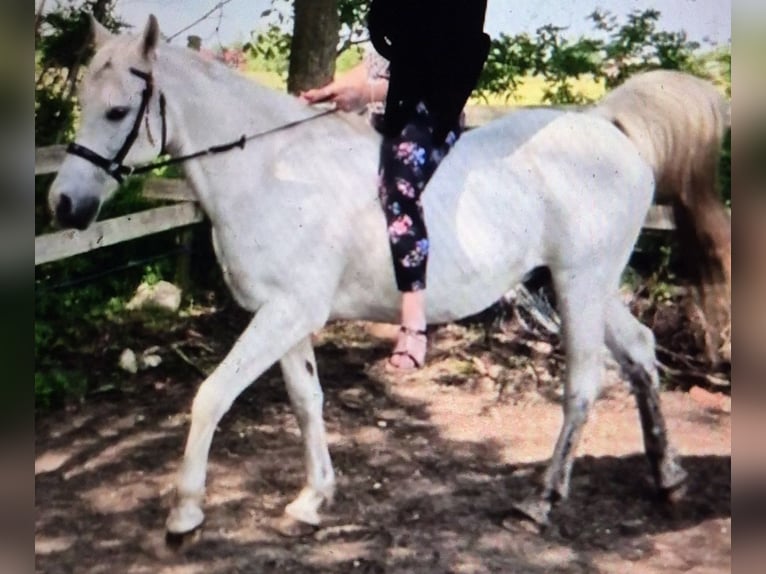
(435, 51)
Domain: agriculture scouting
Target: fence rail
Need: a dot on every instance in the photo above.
(48, 159)
(62, 244)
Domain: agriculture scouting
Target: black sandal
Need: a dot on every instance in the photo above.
(417, 364)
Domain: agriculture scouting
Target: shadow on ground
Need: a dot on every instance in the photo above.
(408, 499)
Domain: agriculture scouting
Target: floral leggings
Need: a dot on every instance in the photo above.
(407, 162)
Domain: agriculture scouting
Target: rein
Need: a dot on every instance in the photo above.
(118, 170)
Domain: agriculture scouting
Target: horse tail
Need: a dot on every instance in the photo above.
(677, 122)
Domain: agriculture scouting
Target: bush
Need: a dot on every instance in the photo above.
(615, 52)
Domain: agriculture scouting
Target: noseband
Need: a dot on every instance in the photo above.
(114, 166)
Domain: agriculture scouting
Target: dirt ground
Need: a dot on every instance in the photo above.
(428, 465)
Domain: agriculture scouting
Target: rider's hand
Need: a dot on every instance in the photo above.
(347, 97)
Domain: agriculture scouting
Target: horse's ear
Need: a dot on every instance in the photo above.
(99, 34)
(150, 38)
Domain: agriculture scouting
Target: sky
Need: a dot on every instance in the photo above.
(702, 19)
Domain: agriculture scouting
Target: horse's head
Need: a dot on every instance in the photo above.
(122, 123)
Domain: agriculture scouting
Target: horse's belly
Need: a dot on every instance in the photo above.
(484, 234)
(484, 246)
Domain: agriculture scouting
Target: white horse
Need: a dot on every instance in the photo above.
(302, 240)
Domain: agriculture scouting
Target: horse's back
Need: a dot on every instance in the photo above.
(576, 175)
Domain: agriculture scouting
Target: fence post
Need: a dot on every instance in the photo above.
(183, 261)
(185, 238)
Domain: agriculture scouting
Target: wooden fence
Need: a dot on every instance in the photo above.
(62, 244)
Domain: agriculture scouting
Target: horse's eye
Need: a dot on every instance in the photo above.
(117, 113)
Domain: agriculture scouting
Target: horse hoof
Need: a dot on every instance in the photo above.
(289, 527)
(533, 513)
(675, 494)
(178, 542)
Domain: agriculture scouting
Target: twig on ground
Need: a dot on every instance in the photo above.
(715, 382)
(184, 357)
(687, 361)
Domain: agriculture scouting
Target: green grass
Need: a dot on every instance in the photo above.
(268, 79)
(530, 91)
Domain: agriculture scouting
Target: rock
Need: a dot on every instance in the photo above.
(51, 461)
(132, 363)
(128, 361)
(162, 295)
(149, 361)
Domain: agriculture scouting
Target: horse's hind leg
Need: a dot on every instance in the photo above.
(632, 345)
(300, 373)
(582, 300)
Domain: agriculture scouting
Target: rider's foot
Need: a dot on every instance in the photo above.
(410, 351)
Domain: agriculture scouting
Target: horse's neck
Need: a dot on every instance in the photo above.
(212, 105)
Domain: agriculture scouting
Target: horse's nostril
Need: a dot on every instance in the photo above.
(85, 213)
(78, 215)
(63, 208)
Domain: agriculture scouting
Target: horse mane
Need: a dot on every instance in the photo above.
(244, 92)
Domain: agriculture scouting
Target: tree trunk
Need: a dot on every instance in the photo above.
(99, 9)
(314, 44)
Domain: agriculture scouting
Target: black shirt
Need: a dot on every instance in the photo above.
(436, 50)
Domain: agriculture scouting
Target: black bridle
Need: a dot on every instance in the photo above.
(114, 166)
(118, 170)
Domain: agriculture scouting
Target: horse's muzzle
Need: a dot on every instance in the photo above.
(78, 214)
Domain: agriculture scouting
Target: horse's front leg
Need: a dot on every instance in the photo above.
(300, 373)
(275, 329)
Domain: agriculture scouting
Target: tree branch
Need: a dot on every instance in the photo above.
(202, 18)
(348, 43)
